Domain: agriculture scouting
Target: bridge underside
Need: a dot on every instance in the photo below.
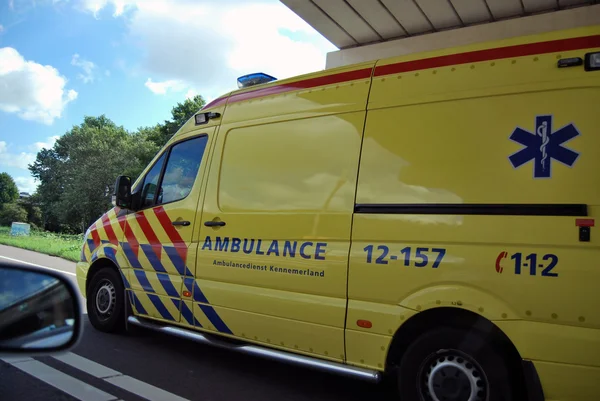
(368, 29)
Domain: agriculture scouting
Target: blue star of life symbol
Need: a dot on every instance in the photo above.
(543, 145)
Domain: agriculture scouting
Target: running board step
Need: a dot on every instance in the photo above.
(268, 353)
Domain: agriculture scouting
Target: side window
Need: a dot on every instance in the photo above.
(182, 169)
(151, 183)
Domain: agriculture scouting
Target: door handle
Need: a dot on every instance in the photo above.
(180, 223)
(213, 223)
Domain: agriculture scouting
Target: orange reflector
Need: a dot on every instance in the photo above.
(187, 294)
(365, 324)
(584, 222)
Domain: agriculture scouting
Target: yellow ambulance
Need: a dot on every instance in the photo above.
(430, 216)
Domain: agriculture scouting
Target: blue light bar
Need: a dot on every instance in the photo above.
(254, 79)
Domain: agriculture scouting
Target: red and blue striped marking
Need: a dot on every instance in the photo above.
(176, 253)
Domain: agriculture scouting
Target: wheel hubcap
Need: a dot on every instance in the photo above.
(105, 299)
(450, 375)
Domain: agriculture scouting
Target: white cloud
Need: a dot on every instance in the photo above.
(204, 45)
(94, 6)
(1, 28)
(171, 85)
(190, 93)
(26, 184)
(161, 88)
(17, 160)
(48, 144)
(87, 66)
(120, 6)
(107, 73)
(31, 90)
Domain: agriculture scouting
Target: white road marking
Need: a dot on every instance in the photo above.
(87, 366)
(82, 390)
(77, 388)
(16, 359)
(116, 378)
(36, 265)
(142, 389)
(70, 385)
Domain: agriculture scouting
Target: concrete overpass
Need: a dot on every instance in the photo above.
(371, 29)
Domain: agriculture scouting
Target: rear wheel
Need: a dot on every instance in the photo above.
(450, 364)
(105, 303)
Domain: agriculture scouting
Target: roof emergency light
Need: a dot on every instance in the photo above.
(254, 79)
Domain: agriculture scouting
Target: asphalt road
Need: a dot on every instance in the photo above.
(156, 367)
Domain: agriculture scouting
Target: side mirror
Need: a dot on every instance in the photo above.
(122, 195)
(40, 311)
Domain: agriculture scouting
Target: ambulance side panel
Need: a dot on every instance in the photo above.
(283, 180)
(460, 161)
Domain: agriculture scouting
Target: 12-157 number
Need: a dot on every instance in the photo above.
(419, 256)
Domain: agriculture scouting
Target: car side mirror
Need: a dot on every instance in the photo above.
(40, 311)
(122, 195)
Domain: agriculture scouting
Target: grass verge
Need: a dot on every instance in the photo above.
(61, 245)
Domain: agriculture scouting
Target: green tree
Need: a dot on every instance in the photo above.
(8, 189)
(11, 212)
(34, 211)
(141, 148)
(179, 116)
(183, 111)
(48, 169)
(77, 175)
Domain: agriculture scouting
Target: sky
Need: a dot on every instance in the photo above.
(132, 60)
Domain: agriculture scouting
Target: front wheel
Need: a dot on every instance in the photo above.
(449, 364)
(105, 301)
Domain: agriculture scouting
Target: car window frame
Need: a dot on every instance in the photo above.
(143, 182)
(167, 154)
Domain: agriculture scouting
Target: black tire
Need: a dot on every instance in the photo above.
(478, 368)
(108, 316)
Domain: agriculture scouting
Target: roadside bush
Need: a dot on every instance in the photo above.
(61, 245)
(11, 212)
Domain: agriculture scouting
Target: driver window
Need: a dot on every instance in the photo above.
(183, 163)
(182, 169)
(150, 183)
